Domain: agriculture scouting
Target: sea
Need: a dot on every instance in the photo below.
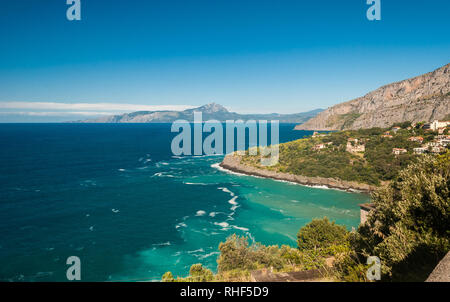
(116, 197)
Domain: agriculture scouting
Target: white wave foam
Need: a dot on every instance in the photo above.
(222, 224)
(251, 237)
(162, 174)
(208, 255)
(240, 228)
(200, 213)
(163, 243)
(233, 200)
(196, 251)
(226, 190)
(181, 224)
(143, 168)
(320, 187)
(115, 210)
(277, 210)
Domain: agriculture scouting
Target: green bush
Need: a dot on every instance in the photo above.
(198, 273)
(235, 253)
(348, 268)
(320, 234)
(168, 277)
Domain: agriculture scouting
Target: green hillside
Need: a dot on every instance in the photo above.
(377, 163)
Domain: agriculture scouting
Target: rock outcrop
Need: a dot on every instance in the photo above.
(423, 98)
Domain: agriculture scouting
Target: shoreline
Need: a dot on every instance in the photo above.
(233, 164)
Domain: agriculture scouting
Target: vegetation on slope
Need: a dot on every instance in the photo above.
(410, 227)
(373, 166)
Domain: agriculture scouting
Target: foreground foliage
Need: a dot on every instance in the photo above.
(410, 227)
(320, 234)
(238, 257)
(409, 230)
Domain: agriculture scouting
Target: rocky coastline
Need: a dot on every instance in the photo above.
(232, 162)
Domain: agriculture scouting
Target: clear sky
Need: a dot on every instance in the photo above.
(250, 56)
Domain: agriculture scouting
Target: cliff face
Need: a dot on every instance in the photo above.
(423, 98)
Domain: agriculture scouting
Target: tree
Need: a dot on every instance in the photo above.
(410, 227)
(320, 234)
(236, 253)
(168, 277)
(198, 273)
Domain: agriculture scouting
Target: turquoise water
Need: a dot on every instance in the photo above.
(114, 196)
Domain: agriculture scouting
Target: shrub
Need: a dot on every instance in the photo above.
(320, 234)
(235, 253)
(198, 273)
(168, 277)
(348, 268)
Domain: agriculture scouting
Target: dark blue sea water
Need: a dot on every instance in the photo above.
(116, 197)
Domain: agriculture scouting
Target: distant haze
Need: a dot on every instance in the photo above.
(210, 111)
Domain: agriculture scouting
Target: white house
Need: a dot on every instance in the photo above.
(398, 151)
(436, 125)
(420, 150)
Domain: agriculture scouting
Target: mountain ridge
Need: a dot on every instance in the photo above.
(422, 98)
(211, 111)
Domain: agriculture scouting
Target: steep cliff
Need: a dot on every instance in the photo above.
(423, 98)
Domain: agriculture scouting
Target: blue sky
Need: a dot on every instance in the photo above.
(250, 56)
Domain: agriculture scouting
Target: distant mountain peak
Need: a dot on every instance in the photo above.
(211, 108)
(211, 111)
